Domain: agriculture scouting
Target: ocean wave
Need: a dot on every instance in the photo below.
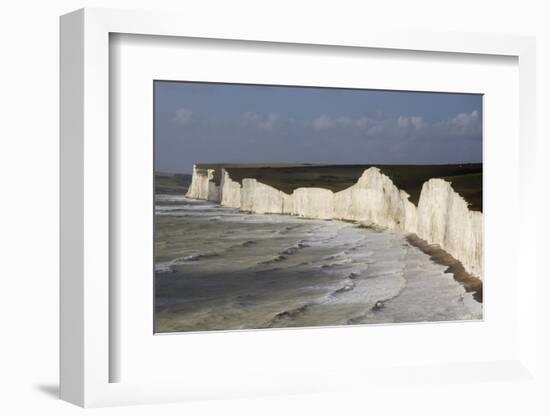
(195, 257)
(357, 247)
(170, 208)
(165, 267)
(335, 256)
(283, 255)
(182, 211)
(348, 285)
(353, 276)
(288, 228)
(289, 314)
(240, 245)
(335, 264)
(168, 266)
(293, 249)
(275, 259)
(377, 306)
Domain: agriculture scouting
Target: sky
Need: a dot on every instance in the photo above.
(238, 123)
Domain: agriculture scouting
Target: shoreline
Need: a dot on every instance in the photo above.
(437, 254)
(437, 295)
(471, 283)
(374, 198)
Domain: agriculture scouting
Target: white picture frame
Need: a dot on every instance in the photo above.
(86, 355)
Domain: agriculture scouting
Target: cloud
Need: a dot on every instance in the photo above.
(464, 124)
(413, 122)
(361, 122)
(186, 137)
(260, 121)
(183, 116)
(322, 123)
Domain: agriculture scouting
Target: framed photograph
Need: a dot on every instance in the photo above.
(270, 212)
(320, 207)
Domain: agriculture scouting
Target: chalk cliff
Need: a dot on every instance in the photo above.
(374, 199)
(442, 216)
(199, 188)
(230, 191)
(260, 198)
(444, 219)
(313, 203)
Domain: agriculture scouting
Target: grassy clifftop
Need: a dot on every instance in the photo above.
(466, 179)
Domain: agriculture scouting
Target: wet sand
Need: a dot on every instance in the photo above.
(470, 282)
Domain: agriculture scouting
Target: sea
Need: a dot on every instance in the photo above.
(220, 269)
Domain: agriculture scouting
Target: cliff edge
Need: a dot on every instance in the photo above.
(442, 216)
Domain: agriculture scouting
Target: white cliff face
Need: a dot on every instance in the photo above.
(409, 220)
(260, 198)
(213, 192)
(442, 216)
(374, 199)
(288, 204)
(230, 191)
(247, 194)
(444, 219)
(200, 185)
(313, 203)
